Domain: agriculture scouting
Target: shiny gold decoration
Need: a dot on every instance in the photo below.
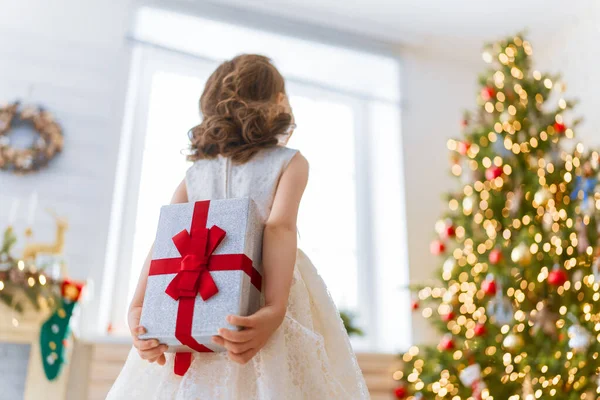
(513, 342)
(542, 197)
(521, 255)
(56, 248)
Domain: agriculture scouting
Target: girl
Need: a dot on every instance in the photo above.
(295, 346)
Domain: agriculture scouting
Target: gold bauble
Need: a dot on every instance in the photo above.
(468, 204)
(513, 342)
(521, 255)
(541, 197)
(449, 265)
(451, 297)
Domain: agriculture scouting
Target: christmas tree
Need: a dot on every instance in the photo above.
(517, 306)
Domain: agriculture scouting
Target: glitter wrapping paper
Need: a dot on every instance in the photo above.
(240, 220)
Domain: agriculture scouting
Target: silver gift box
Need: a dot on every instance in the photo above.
(237, 296)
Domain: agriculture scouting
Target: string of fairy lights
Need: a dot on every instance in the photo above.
(521, 276)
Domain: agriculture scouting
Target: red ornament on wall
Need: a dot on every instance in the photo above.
(559, 127)
(437, 247)
(414, 305)
(557, 277)
(488, 93)
(480, 330)
(495, 256)
(493, 173)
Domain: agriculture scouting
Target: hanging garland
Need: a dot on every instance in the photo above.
(43, 149)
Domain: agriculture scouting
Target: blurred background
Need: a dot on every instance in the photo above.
(377, 88)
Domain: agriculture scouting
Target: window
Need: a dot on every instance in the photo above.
(340, 110)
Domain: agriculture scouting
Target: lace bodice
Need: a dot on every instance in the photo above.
(219, 178)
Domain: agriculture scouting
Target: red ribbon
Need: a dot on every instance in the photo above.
(193, 277)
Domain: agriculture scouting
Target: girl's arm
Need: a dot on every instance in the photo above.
(279, 257)
(150, 350)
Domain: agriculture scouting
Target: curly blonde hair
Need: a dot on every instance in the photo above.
(240, 110)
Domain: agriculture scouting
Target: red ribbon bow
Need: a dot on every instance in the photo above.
(196, 248)
(193, 277)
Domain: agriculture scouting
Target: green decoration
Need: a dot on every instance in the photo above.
(55, 331)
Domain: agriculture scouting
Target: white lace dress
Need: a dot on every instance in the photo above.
(309, 356)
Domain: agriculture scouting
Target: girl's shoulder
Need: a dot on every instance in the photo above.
(276, 154)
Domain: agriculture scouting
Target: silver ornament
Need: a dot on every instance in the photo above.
(579, 338)
(470, 374)
(500, 309)
(596, 269)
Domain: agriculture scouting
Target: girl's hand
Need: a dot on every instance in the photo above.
(243, 345)
(150, 350)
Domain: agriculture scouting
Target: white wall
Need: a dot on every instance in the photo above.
(74, 56)
(436, 89)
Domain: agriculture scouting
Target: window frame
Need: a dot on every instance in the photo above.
(148, 61)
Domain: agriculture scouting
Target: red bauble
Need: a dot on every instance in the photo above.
(495, 256)
(489, 286)
(448, 317)
(488, 93)
(414, 305)
(560, 128)
(479, 330)
(448, 232)
(400, 392)
(493, 173)
(447, 343)
(437, 247)
(557, 277)
(463, 147)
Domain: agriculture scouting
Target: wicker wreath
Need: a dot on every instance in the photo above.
(43, 149)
